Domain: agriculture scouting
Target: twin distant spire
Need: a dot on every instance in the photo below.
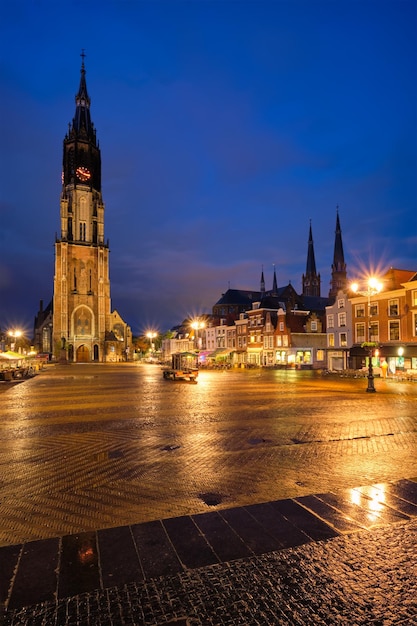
(311, 280)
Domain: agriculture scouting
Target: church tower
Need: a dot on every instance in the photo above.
(311, 280)
(83, 324)
(339, 275)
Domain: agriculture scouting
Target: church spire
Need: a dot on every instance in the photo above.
(262, 281)
(82, 159)
(275, 284)
(311, 280)
(311, 261)
(81, 123)
(339, 278)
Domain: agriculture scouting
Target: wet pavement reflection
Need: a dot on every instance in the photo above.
(101, 446)
(111, 478)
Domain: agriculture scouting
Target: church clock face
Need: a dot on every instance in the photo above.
(83, 174)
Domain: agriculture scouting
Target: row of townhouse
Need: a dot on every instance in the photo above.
(276, 334)
(385, 318)
(270, 334)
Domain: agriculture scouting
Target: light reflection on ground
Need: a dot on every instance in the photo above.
(96, 445)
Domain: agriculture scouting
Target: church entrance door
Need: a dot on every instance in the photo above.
(83, 354)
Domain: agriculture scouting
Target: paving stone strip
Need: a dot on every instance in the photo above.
(363, 579)
(345, 558)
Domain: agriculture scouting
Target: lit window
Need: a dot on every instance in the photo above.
(393, 307)
(374, 331)
(343, 340)
(331, 340)
(360, 333)
(320, 355)
(394, 331)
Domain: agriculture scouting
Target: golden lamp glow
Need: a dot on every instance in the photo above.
(372, 284)
(196, 325)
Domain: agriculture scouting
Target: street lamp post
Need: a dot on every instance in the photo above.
(373, 287)
(151, 336)
(16, 334)
(197, 325)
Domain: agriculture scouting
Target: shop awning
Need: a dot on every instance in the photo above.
(12, 356)
(220, 352)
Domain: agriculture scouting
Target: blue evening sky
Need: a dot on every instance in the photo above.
(224, 127)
